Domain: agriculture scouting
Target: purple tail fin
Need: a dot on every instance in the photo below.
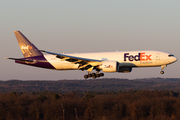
(27, 48)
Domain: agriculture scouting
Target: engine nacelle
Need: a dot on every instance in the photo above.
(113, 66)
(109, 66)
(125, 70)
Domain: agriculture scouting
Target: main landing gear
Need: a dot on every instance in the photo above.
(94, 75)
(162, 68)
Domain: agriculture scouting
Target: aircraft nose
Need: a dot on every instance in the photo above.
(172, 58)
(176, 59)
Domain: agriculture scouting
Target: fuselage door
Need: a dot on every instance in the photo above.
(157, 58)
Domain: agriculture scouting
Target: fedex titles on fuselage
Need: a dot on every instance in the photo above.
(138, 57)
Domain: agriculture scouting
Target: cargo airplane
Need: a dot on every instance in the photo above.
(122, 61)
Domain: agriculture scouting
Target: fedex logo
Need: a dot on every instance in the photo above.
(109, 66)
(26, 47)
(139, 57)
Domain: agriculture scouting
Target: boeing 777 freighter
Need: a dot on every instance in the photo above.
(102, 61)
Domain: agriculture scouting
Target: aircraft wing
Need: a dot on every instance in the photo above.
(84, 63)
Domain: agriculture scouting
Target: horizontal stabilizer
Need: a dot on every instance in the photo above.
(20, 59)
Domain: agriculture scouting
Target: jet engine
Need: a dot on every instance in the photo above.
(109, 66)
(113, 66)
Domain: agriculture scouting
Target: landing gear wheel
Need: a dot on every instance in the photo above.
(89, 75)
(93, 74)
(85, 76)
(97, 75)
(94, 77)
(162, 72)
(102, 74)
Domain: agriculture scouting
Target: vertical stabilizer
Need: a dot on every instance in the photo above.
(27, 48)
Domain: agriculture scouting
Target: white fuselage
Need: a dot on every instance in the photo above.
(125, 58)
(122, 61)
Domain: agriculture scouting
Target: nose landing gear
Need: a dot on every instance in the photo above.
(162, 68)
(162, 72)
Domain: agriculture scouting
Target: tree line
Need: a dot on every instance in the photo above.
(103, 85)
(120, 105)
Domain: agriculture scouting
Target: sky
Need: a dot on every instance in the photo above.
(78, 26)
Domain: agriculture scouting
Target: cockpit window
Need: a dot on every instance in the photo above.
(171, 55)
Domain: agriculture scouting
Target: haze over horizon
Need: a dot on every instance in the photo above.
(89, 26)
